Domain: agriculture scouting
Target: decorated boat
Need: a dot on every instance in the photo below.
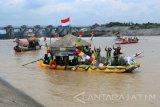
(92, 68)
(28, 44)
(64, 54)
(126, 40)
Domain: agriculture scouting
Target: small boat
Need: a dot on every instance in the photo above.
(92, 68)
(126, 40)
(28, 44)
(23, 49)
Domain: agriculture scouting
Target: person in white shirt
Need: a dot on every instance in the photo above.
(130, 59)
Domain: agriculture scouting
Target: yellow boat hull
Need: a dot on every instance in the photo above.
(89, 68)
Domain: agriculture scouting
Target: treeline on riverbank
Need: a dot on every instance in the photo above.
(132, 25)
(128, 29)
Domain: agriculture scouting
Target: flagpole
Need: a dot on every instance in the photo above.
(70, 28)
(92, 34)
(50, 39)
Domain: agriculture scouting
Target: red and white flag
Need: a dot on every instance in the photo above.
(92, 34)
(65, 22)
(57, 36)
(45, 39)
(80, 34)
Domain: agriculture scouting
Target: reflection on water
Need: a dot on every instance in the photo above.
(57, 88)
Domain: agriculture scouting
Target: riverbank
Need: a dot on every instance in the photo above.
(11, 97)
(119, 30)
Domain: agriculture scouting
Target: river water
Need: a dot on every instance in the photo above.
(69, 89)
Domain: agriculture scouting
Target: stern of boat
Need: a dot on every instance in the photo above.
(132, 67)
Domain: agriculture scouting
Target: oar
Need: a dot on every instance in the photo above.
(137, 55)
(31, 62)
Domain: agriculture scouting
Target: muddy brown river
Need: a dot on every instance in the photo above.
(141, 88)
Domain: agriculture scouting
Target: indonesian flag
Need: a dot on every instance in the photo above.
(65, 22)
(57, 36)
(80, 34)
(44, 39)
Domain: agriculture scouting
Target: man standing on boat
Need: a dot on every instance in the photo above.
(108, 54)
(117, 52)
(97, 53)
(130, 59)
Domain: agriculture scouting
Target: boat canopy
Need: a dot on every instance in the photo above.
(69, 41)
(66, 46)
(22, 42)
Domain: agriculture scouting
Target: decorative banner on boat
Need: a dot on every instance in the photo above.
(79, 37)
(67, 53)
(85, 49)
(62, 49)
(90, 59)
(46, 45)
(54, 49)
(50, 57)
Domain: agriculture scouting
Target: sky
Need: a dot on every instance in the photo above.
(81, 12)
